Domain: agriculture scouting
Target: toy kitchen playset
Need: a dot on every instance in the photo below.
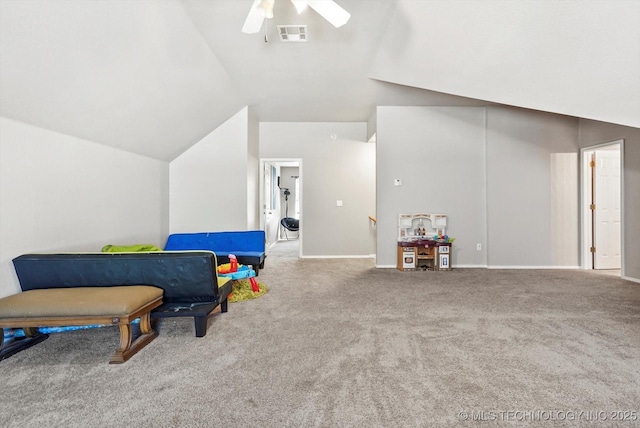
(423, 243)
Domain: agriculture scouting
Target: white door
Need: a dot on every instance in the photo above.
(607, 234)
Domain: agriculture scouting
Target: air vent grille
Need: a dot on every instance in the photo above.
(293, 33)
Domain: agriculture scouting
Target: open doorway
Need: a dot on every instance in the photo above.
(602, 207)
(289, 185)
(281, 197)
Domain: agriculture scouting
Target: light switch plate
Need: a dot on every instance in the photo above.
(339, 203)
(397, 182)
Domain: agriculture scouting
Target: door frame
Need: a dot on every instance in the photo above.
(278, 162)
(585, 201)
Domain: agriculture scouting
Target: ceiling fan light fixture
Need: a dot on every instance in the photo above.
(263, 9)
(266, 8)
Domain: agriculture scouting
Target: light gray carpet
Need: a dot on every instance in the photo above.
(338, 343)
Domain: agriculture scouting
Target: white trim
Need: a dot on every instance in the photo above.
(628, 278)
(468, 266)
(300, 195)
(584, 178)
(533, 267)
(583, 197)
(386, 266)
(272, 245)
(337, 257)
(485, 192)
(622, 213)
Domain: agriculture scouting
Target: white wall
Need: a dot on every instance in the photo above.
(592, 133)
(210, 183)
(439, 153)
(271, 217)
(532, 188)
(60, 193)
(342, 169)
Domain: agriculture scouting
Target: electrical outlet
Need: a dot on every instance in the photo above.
(479, 247)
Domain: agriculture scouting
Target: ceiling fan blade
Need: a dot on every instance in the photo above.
(300, 5)
(330, 11)
(254, 20)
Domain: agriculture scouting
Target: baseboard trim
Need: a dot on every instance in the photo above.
(628, 278)
(498, 267)
(368, 256)
(468, 266)
(533, 267)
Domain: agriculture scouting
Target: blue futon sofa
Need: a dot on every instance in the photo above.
(247, 245)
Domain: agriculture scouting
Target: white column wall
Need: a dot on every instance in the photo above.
(209, 182)
(253, 171)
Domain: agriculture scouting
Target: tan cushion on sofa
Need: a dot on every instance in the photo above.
(78, 301)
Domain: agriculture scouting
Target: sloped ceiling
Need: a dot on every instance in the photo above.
(135, 75)
(322, 80)
(578, 58)
(154, 77)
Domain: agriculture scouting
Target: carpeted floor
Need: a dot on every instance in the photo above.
(338, 343)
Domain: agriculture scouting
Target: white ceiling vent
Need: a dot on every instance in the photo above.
(293, 33)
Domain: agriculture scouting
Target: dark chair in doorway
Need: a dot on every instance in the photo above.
(291, 224)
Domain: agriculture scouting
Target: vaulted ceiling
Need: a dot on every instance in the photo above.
(155, 76)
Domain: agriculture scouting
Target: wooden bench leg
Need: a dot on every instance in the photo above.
(125, 344)
(31, 331)
(128, 348)
(145, 324)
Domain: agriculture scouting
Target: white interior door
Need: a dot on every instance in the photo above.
(607, 234)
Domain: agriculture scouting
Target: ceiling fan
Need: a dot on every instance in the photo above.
(261, 9)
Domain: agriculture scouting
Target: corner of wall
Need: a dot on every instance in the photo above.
(372, 124)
